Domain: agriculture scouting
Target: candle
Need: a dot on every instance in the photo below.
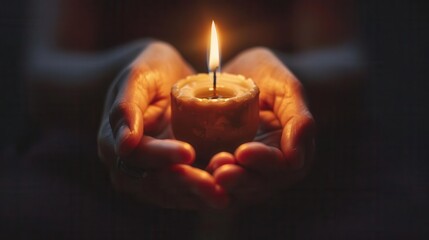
(214, 112)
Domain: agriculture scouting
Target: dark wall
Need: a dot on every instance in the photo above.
(395, 157)
(397, 39)
(13, 25)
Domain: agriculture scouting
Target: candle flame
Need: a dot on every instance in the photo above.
(214, 50)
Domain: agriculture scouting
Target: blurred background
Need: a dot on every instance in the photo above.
(364, 68)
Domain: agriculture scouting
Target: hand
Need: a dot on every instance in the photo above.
(136, 128)
(284, 145)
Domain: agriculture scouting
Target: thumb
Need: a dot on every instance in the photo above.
(126, 121)
(126, 112)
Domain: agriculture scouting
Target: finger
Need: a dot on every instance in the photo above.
(220, 159)
(281, 91)
(297, 142)
(201, 184)
(176, 186)
(268, 120)
(261, 65)
(126, 114)
(171, 187)
(296, 120)
(244, 186)
(141, 96)
(259, 157)
(154, 153)
(156, 117)
(231, 176)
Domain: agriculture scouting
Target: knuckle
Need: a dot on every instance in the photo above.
(119, 110)
(120, 107)
(258, 54)
(261, 51)
(161, 45)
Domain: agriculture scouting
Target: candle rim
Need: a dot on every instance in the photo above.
(222, 91)
(253, 88)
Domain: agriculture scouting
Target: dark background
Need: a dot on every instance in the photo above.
(371, 179)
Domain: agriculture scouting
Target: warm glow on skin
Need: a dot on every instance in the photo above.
(214, 49)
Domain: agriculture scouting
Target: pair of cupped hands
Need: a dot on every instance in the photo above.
(135, 127)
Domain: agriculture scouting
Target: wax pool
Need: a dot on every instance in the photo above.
(212, 124)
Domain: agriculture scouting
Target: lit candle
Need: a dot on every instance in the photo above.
(214, 112)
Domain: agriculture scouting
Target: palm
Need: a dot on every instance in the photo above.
(136, 132)
(285, 129)
(270, 129)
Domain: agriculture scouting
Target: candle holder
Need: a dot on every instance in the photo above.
(210, 122)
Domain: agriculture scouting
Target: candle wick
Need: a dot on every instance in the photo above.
(214, 83)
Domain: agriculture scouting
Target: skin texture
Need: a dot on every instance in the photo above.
(283, 148)
(136, 126)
